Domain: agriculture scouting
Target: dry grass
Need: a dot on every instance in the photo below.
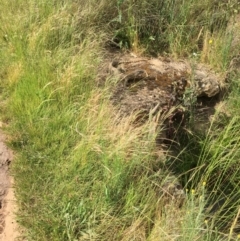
(83, 171)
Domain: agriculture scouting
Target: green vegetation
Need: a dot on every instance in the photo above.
(82, 172)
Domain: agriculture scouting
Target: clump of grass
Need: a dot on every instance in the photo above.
(217, 50)
(180, 31)
(214, 160)
(82, 172)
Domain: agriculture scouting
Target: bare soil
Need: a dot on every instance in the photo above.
(8, 224)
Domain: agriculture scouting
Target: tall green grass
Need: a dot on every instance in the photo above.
(83, 172)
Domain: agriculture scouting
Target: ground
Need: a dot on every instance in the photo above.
(8, 228)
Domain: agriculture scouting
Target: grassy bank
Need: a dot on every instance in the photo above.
(82, 172)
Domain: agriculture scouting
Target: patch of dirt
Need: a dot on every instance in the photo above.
(8, 225)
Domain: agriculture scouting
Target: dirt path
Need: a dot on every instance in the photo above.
(8, 225)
